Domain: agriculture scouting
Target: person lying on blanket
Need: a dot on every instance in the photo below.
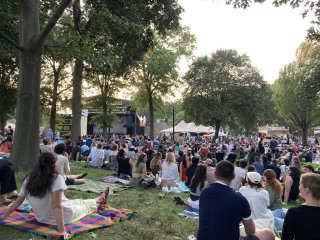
(43, 186)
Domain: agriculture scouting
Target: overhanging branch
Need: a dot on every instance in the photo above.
(52, 22)
(9, 40)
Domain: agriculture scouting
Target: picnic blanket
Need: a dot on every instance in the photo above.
(113, 179)
(97, 187)
(182, 187)
(190, 213)
(106, 216)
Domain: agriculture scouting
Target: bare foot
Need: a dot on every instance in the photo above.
(103, 197)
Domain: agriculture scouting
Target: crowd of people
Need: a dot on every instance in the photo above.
(239, 179)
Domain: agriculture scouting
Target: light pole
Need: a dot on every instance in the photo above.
(173, 122)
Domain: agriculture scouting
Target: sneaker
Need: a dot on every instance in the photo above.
(174, 190)
(165, 189)
(192, 237)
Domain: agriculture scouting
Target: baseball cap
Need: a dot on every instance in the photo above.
(254, 177)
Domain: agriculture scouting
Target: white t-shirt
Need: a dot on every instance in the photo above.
(169, 171)
(240, 174)
(42, 207)
(259, 201)
(97, 157)
(62, 165)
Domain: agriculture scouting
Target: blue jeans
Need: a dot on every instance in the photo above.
(278, 218)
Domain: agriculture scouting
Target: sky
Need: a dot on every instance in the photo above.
(270, 36)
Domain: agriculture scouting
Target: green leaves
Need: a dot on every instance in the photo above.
(223, 88)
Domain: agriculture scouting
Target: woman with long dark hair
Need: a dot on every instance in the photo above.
(44, 188)
(198, 182)
(124, 165)
(291, 185)
(303, 222)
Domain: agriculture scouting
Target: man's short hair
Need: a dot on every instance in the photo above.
(60, 148)
(225, 170)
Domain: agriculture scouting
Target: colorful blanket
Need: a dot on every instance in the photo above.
(113, 179)
(182, 187)
(97, 187)
(190, 213)
(106, 216)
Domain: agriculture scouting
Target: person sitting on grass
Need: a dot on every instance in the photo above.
(191, 170)
(6, 145)
(302, 222)
(7, 182)
(169, 174)
(221, 210)
(139, 170)
(155, 164)
(198, 182)
(183, 168)
(274, 188)
(124, 165)
(63, 167)
(96, 157)
(44, 189)
(291, 185)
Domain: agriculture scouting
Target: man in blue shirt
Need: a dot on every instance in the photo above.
(221, 210)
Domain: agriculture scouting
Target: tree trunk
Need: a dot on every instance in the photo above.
(76, 99)
(217, 128)
(26, 138)
(53, 110)
(304, 135)
(151, 110)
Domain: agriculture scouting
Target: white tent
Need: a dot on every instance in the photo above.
(183, 127)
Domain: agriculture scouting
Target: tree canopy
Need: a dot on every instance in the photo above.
(223, 89)
(296, 91)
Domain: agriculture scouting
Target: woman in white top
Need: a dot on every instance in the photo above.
(169, 174)
(257, 197)
(44, 188)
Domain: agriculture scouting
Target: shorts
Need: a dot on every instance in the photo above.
(69, 181)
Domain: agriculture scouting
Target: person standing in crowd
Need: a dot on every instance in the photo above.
(218, 199)
(302, 222)
(48, 134)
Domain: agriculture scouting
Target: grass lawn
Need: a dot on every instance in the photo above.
(157, 216)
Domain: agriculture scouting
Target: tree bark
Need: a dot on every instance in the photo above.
(26, 139)
(217, 128)
(304, 135)
(151, 110)
(53, 110)
(76, 99)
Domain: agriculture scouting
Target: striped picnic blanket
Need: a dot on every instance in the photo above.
(106, 216)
